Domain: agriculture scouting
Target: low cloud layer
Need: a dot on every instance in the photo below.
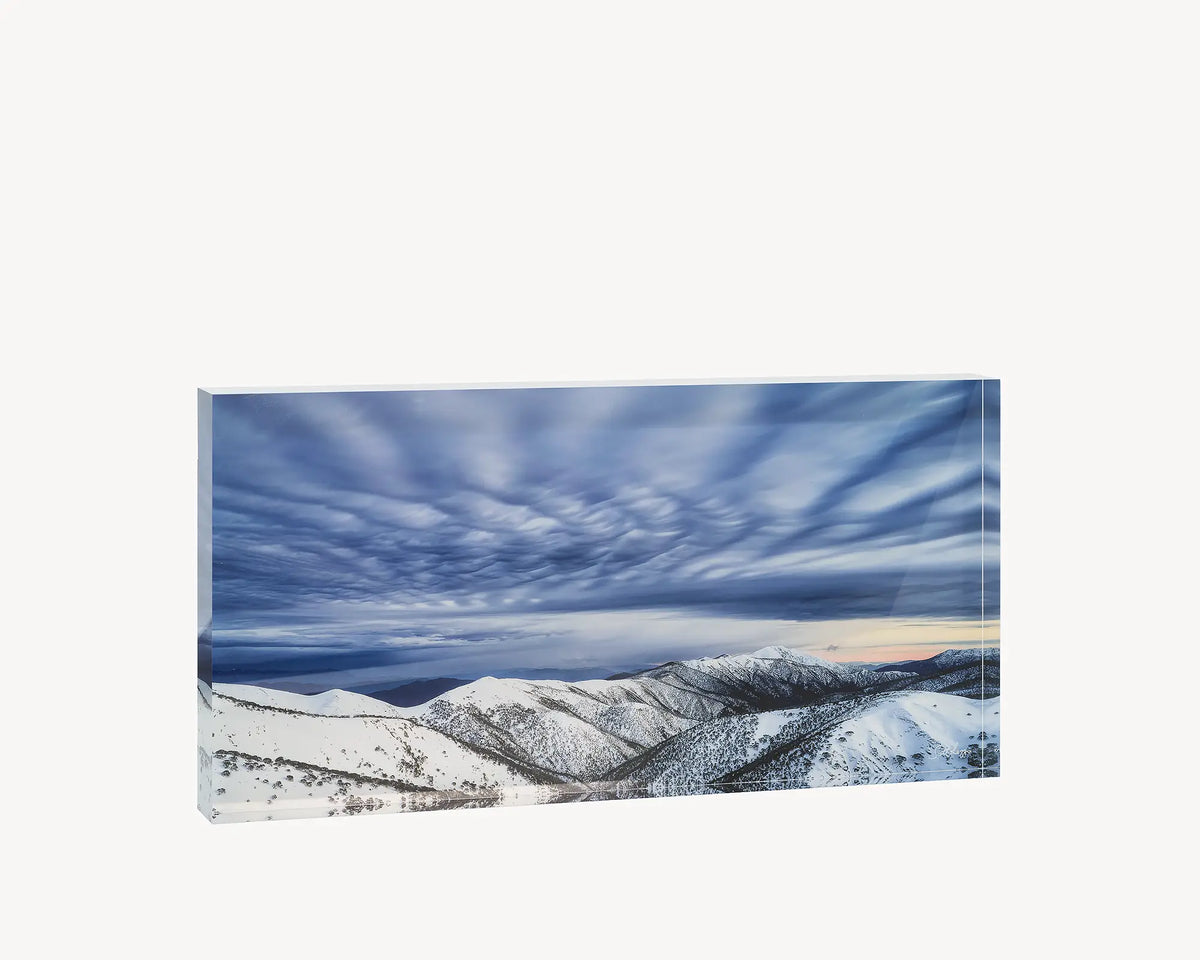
(402, 532)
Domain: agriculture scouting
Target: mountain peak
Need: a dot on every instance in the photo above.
(776, 652)
(780, 652)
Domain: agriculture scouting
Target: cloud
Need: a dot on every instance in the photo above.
(346, 527)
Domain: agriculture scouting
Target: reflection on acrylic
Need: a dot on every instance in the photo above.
(429, 599)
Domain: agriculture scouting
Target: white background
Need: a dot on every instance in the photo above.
(235, 193)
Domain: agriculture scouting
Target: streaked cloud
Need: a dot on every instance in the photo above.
(387, 530)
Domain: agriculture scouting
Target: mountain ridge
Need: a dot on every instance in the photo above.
(730, 722)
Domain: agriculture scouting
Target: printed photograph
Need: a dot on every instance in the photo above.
(439, 598)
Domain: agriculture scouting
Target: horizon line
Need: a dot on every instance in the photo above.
(379, 686)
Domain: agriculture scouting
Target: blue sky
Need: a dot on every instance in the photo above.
(366, 538)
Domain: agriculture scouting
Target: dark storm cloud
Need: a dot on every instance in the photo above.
(348, 526)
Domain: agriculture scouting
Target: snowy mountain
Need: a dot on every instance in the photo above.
(946, 660)
(751, 721)
(331, 703)
(583, 729)
(895, 736)
(280, 754)
(969, 673)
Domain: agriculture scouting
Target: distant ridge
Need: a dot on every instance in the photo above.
(417, 691)
(939, 662)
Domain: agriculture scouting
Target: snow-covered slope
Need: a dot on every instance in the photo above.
(773, 676)
(583, 729)
(908, 735)
(269, 758)
(331, 703)
(753, 721)
(569, 728)
(902, 735)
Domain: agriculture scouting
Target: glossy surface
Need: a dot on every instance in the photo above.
(425, 599)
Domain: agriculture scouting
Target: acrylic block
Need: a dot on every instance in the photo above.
(420, 599)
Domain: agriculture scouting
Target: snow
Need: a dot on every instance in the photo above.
(331, 703)
(898, 736)
(941, 728)
(772, 653)
(264, 759)
(769, 724)
(682, 727)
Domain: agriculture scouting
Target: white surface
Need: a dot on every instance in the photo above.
(582, 730)
(273, 193)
